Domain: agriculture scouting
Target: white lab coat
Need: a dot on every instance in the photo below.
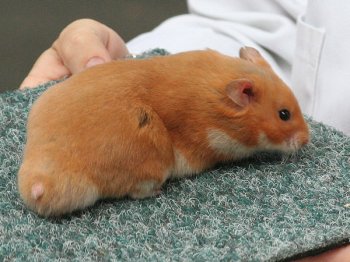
(306, 44)
(321, 68)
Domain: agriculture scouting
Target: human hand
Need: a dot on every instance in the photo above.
(82, 44)
(341, 254)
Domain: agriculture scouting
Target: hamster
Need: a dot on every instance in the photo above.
(124, 128)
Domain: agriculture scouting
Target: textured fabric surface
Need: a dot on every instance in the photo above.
(266, 208)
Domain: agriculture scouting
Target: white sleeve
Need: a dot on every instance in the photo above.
(226, 25)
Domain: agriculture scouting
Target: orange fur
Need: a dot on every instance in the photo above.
(123, 128)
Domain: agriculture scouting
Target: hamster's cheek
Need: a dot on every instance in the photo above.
(223, 144)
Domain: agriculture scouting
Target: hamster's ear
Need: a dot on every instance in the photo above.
(241, 92)
(252, 55)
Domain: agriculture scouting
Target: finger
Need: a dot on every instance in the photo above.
(336, 255)
(86, 42)
(116, 45)
(48, 67)
(77, 51)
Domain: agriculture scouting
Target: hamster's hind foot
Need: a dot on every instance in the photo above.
(37, 190)
(57, 195)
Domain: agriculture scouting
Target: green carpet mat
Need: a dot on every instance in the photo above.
(266, 208)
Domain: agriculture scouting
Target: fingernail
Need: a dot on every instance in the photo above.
(94, 61)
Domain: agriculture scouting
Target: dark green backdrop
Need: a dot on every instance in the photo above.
(29, 27)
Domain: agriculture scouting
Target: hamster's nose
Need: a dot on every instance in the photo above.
(305, 141)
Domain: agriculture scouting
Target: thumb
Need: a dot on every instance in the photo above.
(85, 43)
(81, 51)
(95, 61)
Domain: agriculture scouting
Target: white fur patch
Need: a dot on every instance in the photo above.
(288, 146)
(90, 196)
(182, 167)
(223, 144)
(146, 189)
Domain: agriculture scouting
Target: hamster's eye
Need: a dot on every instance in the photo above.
(284, 114)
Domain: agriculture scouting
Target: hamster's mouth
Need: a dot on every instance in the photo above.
(289, 146)
(292, 145)
(296, 142)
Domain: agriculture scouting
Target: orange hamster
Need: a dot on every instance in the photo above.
(124, 128)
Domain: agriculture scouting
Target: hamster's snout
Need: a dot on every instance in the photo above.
(304, 140)
(298, 140)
